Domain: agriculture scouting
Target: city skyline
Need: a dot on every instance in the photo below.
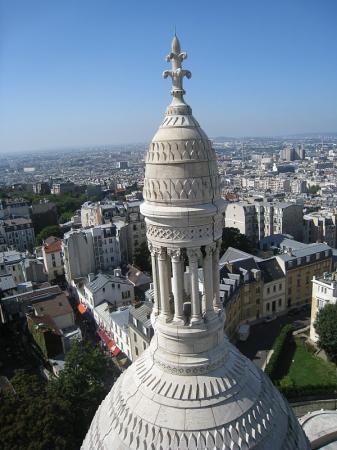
(74, 74)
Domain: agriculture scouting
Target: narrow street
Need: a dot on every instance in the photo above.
(262, 336)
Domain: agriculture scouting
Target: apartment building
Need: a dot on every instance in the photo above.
(252, 288)
(91, 250)
(324, 291)
(136, 226)
(300, 263)
(115, 289)
(126, 214)
(140, 328)
(274, 287)
(259, 219)
(20, 268)
(53, 257)
(18, 233)
(63, 187)
(321, 227)
(113, 328)
(14, 208)
(292, 153)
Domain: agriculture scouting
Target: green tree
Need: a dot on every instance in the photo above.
(314, 189)
(85, 381)
(65, 216)
(326, 328)
(52, 230)
(141, 257)
(32, 418)
(231, 237)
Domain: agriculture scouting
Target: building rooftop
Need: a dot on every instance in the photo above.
(11, 257)
(53, 246)
(121, 317)
(233, 254)
(101, 279)
(270, 270)
(137, 277)
(17, 221)
(56, 306)
(142, 313)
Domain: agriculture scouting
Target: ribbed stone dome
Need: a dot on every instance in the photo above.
(231, 407)
(191, 389)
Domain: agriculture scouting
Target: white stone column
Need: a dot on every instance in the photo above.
(177, 284)
(193, 256)
(154, 251)
(208, 280)
(216, 279)
(164, 283)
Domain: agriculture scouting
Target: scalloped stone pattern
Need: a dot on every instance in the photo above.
(234, 407)
(180, 151)
(193, 190)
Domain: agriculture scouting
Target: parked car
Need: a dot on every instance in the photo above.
(306, 307)
(244, 331)
(269, 318)
(294, 311)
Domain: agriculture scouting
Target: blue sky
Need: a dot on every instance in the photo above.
(88, 72)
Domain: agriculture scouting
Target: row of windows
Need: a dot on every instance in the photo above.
(113, 287)
(273, 305)
(322, 289)
(274, 288)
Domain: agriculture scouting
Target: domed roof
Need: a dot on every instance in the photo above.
(233, 406)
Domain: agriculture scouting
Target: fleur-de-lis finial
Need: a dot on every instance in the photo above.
(177, 74)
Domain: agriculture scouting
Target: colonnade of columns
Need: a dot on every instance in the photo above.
(168, 282)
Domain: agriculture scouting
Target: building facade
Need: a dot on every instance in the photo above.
(11, 209)
(91, 250)
(262, 219)
(320, 227)
(324, 291)
(18, 233)
(53, 258)
(114, 289)
(140, 328)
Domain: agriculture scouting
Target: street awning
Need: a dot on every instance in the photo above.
(110, 343)
(114, 349)
(82, 308)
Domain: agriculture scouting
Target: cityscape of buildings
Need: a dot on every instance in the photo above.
(121, 247)
(279, 194)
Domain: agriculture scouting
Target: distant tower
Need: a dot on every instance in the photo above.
(191, 389)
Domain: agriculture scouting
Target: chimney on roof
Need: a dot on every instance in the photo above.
(117, 272)
(91, 276)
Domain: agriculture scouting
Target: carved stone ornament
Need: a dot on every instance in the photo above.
(175, 254)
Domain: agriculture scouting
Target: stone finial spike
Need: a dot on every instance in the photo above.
(177, 73)
(175, 46)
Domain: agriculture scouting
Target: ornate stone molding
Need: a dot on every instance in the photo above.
(179, 234)
(198, 370)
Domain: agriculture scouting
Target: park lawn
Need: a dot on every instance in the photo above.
(308, 369)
